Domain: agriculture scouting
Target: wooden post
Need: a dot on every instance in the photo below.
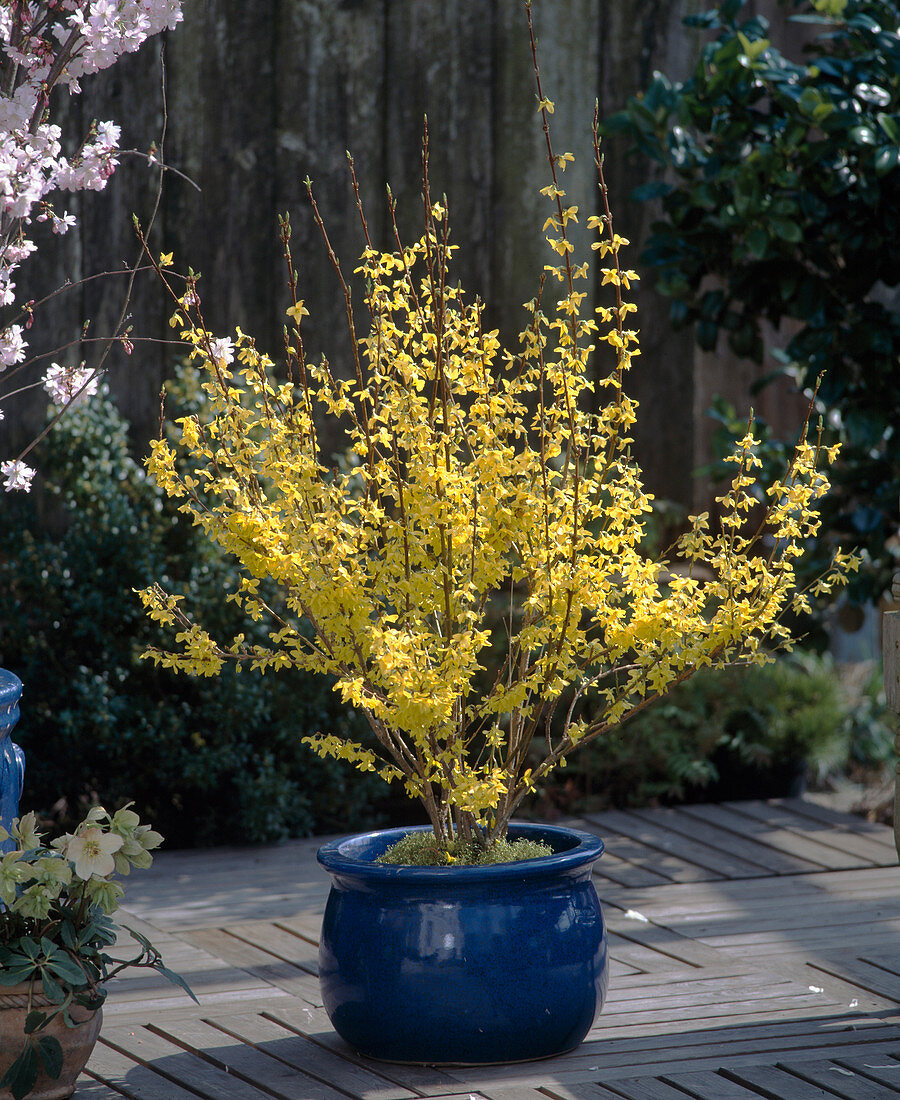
(891, 650)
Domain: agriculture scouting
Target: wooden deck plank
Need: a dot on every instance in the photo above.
(879, 936)
(791, 914)
(697, 860)
(132, 1077)
(259, 964)
(647, 1088)
(662, 1063)
(658, 938)
(90, 1088)
(710, 992)
(196, 1073)
(816, 857)
(627, 866)
(249, 1062)
(772, 1081)
(709, 1085)
(619, 968)
(314, 1024)
(841, 842)
(806, 808)
(296, 1050)
(839, 1080)
(308, 925)
(278, 941)
(737, 1033)
(631, 850)
(749, 852)
(884, 1070)
(514, 1093)
(585, 1090)
(817, 888)
(860, 972)
(729, 825)
(749, 943)
(613, 868)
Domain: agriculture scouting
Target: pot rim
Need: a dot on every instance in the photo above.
(354, 856)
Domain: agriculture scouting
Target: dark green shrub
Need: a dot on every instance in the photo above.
(779, 187)
(206, 761)
(731, 734)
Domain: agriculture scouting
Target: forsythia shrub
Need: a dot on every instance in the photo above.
(479, 504)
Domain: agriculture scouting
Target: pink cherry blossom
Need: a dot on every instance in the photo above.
(67, 385)
(222, 351)
(32, 167)
(17, 474)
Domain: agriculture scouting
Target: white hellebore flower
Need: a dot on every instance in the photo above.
(92, 852)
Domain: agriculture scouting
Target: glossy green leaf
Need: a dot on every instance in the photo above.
(34, 1020)
(887, 159)
(22, 1074)
(62, 966)
(787, 230)
(890, 127)
(51, 1053)
(53, 991)
(757, 242)
(863, 135)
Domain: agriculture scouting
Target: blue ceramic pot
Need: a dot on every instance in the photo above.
(12, 759)
(464, 965)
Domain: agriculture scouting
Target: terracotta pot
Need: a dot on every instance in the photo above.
(77, 1042)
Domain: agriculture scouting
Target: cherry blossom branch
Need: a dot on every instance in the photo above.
(43, 44)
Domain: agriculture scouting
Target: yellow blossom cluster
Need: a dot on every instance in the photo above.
(474, 567)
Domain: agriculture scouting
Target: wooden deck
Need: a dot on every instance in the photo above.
(755, 948)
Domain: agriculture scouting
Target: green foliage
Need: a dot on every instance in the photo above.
(737, 733)
(423, 850)
(780, 195)
(56, 907)
(96, 718)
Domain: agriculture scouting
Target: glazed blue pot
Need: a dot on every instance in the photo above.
(12, 759)
(463, 965)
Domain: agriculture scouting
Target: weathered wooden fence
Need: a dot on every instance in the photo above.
(262, 93)
(891, 654)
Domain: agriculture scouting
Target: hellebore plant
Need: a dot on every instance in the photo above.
(480, 507)
(56, 905)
